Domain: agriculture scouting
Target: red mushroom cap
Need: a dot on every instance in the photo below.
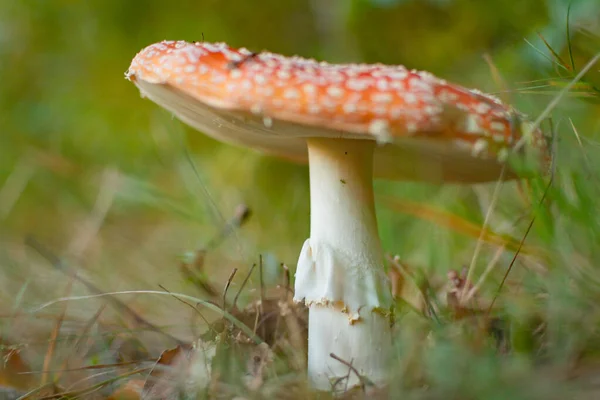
(429, 129)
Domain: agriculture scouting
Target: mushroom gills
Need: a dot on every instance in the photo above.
(407, 158)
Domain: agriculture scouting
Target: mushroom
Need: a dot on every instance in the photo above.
(351, 123)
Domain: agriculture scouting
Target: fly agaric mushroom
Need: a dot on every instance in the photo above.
(352, 123)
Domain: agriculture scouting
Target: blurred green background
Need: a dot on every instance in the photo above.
(120, 189)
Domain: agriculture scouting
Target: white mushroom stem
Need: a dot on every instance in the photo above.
(340, 273)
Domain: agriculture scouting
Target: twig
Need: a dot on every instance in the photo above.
(364, 381)
(241, 216)
(89, 367)
(233, 272)
(238, 64)
(288, 280)
(187, 304)
(518, 250)
(262, 285)
(199, 282)
(243, 285)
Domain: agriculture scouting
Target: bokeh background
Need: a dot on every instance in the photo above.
(120, 190)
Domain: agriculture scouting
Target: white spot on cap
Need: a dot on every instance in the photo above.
(411, 127)
(503, 154)
(265, 91)
(309, 88)
(256, 109)
(314, 108)
(380, 110)
(291, 94)
(397, 112)
(335, 91)
(501, 138)
(447, 96)
(410, 98)
(482, 108)
(472, 124)
(246, 85)
(497, 126)
(380, 128)
(218, 78)
(431, 110)
(260, 79)
(418, 84)
(382, 97)
(382, 84)
(283, 74)
(400, 74)
(235, 74)
(479, 147)
(350, 108)
(358, 84)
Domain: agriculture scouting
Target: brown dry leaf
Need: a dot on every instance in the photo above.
(182, 371)
(13, 368)
(457, 283)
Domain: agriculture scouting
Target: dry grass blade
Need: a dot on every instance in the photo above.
(194, 309)
(80, 339)
(586, 159)
(518, 250)
(240, 217)
(111, 179)
(497, 77)
(546, 113)
(569, 44)
(89, 390)
(473, 291)
(556, 56)
(197, 276)
(457, 224)
(15, 185)
(119, 305)
(227, 284)
(495, 196)
(247, 331)
(244, 282)
(399, 271)
(54, 336)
